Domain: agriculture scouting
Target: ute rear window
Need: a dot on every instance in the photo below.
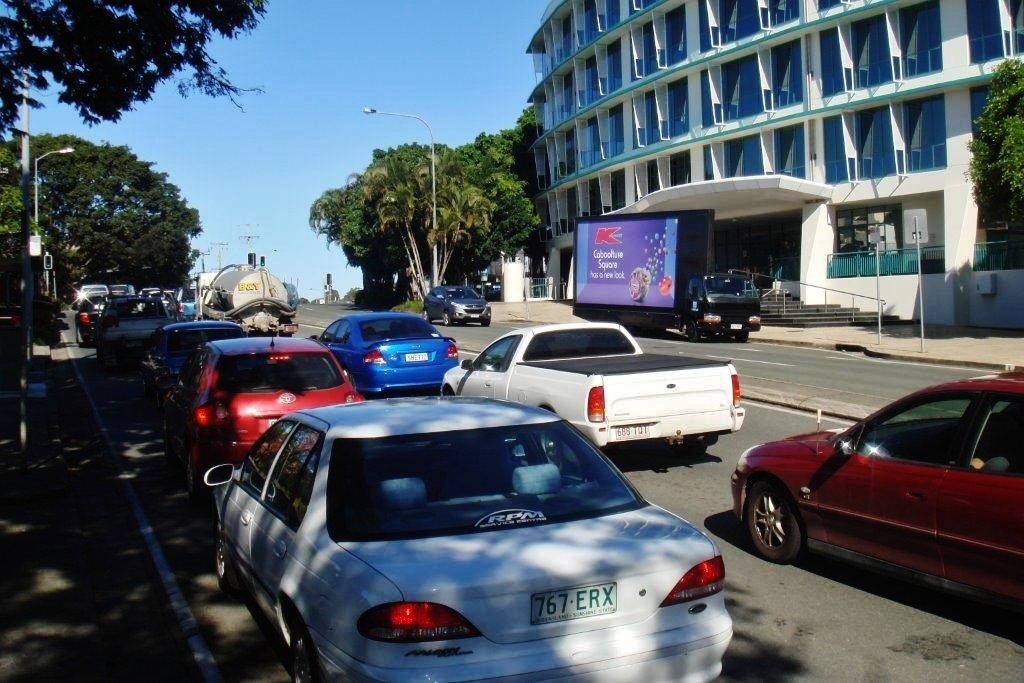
(180, 341)
(469, 481)
(139, 308)
(578, 344)
(269, 372)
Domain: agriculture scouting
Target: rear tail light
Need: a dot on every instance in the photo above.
(595, 404)
(109, 321)
(211, 413)
(374, 357)
(707, 578)
(414, 622)
(736, 393)
(181, 307)
(83, 318)
(451, 352)
(354, 398)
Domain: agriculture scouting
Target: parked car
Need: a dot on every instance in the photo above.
(598, 378)
(126, 329)
(391, 353)
(186, 303)
(171, 346)
(456, 305)
(122, 290)
(151, 291)
(929, 488)
(88, 292)
(228, 392)
(88, 311)
(463, 539)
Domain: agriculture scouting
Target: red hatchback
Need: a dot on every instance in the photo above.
(930, 488)
(230, 391)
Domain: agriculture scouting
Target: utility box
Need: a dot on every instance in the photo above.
(986, 283)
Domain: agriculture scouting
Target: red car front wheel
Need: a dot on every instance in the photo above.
(773, 522)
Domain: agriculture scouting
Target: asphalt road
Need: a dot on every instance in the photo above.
(815, 621)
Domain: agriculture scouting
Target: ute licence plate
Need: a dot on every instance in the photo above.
(632, 432)
(736, 326)
(415, 357)
(573, 603)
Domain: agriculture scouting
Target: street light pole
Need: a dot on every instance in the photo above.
(433, 183)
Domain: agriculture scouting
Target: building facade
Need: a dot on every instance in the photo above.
(815, 129)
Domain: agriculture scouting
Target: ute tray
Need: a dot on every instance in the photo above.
(624, 364)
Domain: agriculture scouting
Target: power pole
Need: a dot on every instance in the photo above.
(220, 249)
(26, 271)
(248, 238)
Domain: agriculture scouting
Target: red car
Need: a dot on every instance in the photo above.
(930, 488)
(229, 392)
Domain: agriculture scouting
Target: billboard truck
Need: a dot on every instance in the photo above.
(655, 271)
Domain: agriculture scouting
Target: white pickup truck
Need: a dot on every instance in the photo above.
(598, 378)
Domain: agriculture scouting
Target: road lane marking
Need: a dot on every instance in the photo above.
(186, 621)
(750, 360)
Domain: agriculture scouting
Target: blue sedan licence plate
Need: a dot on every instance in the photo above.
(573, 603)
(415, 357)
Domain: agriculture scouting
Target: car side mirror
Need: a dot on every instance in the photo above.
(845, 447)
(218, 475)
(314, 337)
(467, 364)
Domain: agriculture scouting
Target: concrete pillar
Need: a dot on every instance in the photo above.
(817, 239)
(512, 281)
(959, 210)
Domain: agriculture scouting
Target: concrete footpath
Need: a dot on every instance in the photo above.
(983, 348)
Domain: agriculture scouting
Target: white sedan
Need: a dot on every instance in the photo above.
(463, 539)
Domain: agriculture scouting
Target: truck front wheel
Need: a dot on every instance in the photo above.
(692, 331)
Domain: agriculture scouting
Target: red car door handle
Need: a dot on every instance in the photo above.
(916, 496)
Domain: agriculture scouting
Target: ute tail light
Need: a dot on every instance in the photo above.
(211, 413)
(451, 352)
(736, 393)
(707, 578)
(595, 404)
(83, 318)
(374, 357)
(414, 622)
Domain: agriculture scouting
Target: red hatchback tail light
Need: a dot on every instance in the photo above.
(707, 578)
(595, 404)
(414, 622)
(451, 352)
(211, 413)
(374, 357)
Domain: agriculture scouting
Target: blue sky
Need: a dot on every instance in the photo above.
(460, 64)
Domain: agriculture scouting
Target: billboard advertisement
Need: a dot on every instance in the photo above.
(627, 261)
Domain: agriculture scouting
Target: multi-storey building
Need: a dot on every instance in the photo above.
(813, 128)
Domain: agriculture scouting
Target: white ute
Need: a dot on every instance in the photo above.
(598, 378)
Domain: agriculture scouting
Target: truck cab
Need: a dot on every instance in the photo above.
(721, 305)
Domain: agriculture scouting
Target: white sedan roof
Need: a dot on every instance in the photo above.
(399, 416)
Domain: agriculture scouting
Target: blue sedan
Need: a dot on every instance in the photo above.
(391, 353)
(171, 346)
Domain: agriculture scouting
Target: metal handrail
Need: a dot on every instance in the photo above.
(777, 292)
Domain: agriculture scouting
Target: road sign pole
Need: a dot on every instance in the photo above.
(920, 280)
(878, 285)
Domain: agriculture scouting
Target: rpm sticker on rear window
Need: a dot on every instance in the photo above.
(510, 518)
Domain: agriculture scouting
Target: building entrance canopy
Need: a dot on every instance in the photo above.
(748, 196)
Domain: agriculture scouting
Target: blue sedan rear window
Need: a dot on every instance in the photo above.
(469, 481)
(181, 341)
(396, 328)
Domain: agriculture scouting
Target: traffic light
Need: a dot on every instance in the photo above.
(251, 256)
(47, 261)
(328, 279)
(263, 261)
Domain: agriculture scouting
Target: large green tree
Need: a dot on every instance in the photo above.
(104, 213)
(997, 148)
(103, 56)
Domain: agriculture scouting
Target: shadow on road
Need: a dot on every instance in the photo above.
(656, 457)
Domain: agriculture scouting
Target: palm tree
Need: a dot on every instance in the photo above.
(464, 211)
(390, 185)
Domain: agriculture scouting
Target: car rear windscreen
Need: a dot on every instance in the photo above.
(181, 341)
(268, 372)
(139, 308)
(578, 343)
(396, 328)
(469, 481)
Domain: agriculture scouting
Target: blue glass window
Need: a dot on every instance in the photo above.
(675, 29)
(925, 126)
(831, 63)
(738, 19)
(591, 92)
(679, 168)
(618, 189)
(741, 83)
(825, 4)
(921, 38)
(593, 153)
(871, 58)
(743, 157)
(835, 150)
(565, 49)
(789, 151)
(784, 10)
(653, 176)
(568, 96)
(707, 117)
(787, 74)
(570, 151)
(875, 152)
(589, 21)
(651, 129)
(709, 167)
(612, 12)
(984, 30)
(678, 108)
(616, 126)
(704, 26)
(650, 54)
(979, 96)
(614, 66)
